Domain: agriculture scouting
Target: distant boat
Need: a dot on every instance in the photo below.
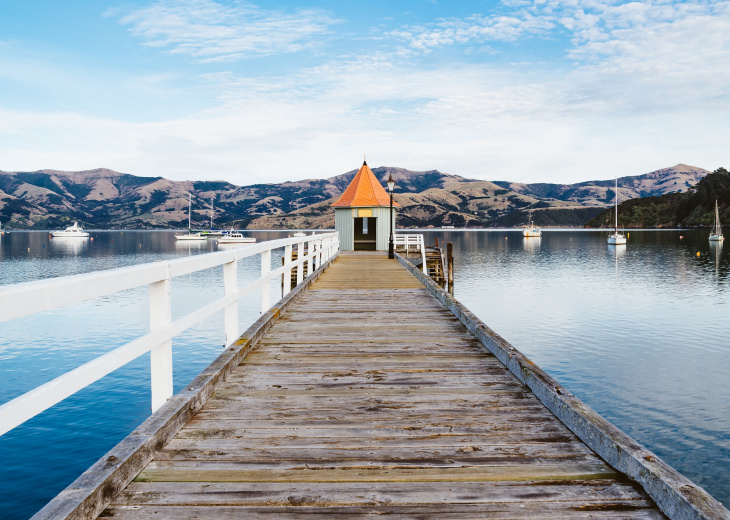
(531, 230)
(71, 232)
(616, 239)
(716, 233)
(234, 237)
(190, 235)
(2, 231)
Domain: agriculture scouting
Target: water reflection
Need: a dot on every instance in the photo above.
(531, 244)
(70, 245)
(716, 251)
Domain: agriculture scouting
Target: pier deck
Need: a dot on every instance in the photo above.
(369, 397)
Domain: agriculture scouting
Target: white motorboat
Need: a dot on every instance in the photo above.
(716, 232)
(70, 232)
(190, 235)
(616, 239)
(531, 230)
(234, 237)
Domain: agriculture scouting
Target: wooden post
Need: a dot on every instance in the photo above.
(230, 285)
(160, 355)
(450, 263)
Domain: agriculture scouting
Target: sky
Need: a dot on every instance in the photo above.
(520, 90)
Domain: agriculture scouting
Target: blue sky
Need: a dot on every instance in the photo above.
(522, 90)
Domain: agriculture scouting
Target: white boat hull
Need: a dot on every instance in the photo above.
(716, 238)
(244, 240)
(616, 240)
(62, 234)
(189, 237)
(70, 232)
(531, 233)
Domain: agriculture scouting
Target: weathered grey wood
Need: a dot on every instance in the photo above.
(676, 495)
(370, 397)
(88, 495)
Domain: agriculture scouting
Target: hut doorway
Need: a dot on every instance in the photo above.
(365, 230)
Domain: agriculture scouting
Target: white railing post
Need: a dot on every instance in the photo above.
(266, 288)
(320, 250)
(287, 271)
(310, 260)
(160, 355)
(300, 261)
(230, 286)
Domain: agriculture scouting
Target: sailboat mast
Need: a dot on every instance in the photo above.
(717, 219)
(616, 203)
(190, 212)
(211, 213)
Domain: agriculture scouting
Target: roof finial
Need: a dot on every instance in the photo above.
(364, 159)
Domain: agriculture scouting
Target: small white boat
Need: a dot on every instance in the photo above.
(299, 234)
(234, 237)
(716, 233)
(71, 231)
(190, 235)
(616, 239)
(531, 230)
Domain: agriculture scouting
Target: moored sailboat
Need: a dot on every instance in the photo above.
(716, 232)
(531, 230)
(190, 235)
(616, 239)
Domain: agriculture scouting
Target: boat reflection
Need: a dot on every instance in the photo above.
(531, 244)
(70, 245)
(716, 251)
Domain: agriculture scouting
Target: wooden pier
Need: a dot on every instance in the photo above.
(366, 397)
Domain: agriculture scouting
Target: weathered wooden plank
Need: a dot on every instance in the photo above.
(248, 494)
(215, 471)
(478, 454)
(577, 511)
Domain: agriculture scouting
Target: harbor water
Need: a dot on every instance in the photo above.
(638, 332)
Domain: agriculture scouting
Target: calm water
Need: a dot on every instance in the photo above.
(638, 332)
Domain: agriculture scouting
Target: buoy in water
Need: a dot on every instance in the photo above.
(698, 253)
(681, 237)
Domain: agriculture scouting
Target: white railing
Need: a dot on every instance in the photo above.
(414, 241)
(33, 297)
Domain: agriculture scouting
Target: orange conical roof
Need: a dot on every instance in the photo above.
(364, 191)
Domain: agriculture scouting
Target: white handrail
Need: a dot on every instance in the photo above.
(415, 240)
(33, 297)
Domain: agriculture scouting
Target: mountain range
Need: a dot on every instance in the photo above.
(104, 198)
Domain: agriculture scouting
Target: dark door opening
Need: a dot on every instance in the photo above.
(365, 233)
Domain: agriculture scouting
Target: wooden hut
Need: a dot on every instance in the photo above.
(362, 214)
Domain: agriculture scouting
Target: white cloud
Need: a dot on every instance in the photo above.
(646, 86)
(209, 31)
(474, 29)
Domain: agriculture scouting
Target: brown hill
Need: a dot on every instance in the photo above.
(105, 198)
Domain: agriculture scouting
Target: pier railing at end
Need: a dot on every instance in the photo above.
(34, 297)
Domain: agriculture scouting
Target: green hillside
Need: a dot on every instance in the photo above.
(695, 208)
